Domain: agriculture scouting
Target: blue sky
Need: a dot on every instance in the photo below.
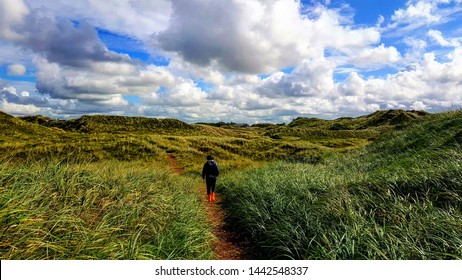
(243, 61)
(368, 12)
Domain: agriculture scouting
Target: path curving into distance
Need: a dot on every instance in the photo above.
(223, 247)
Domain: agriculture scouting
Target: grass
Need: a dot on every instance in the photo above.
(99, 187)
(108, 210)
(235, 152)
(399, 198)
(99, 138)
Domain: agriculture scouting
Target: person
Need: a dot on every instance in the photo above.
(210, 173)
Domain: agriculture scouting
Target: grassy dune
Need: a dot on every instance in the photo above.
(108, 210)
(399, 198)
(100, 187)
(100, 138)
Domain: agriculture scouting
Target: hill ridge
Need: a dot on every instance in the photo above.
(110, 123)
(377, 118)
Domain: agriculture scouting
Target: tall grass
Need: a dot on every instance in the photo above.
(399, 198)
(105, 210)
(107, 200)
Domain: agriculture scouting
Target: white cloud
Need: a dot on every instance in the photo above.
(429, 85)
(16, 70)
(139, 18)
(104, 81)
(145, 80)
(31, 103)
(256, 36)
(210, 74)
(437, 36)
(12, 12)
(13, 54)
(18, 109)
(416, 49)
(419, 105)
(327, 31)
(423, 13)
(353, 85)
(56, 39)
(430, 82)
(309, 90)
(314, 77)
(183, 93)
(375, 57)
(16, 103)
(217, 51)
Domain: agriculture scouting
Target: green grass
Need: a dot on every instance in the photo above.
(99, 138)
(399, 198)
(108, 210)
(99, 187)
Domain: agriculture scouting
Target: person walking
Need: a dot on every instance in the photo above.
(210, 173)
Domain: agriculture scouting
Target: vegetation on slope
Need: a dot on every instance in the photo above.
(108, 210)
(14, 128)
(112, 124)
(398, 198)
(95, 188)
(98, 138)
(131, 138)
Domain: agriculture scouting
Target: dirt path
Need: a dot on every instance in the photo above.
(223, 247)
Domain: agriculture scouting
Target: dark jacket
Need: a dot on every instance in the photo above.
(210, 169)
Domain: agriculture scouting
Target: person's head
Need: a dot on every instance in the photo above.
(209, 157)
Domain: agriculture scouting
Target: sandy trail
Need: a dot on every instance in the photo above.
(224, 247)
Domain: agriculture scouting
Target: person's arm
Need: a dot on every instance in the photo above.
(203, 172)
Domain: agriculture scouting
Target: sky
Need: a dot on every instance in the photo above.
(244, 61)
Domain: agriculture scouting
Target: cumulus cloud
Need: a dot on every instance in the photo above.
(103, 82)
(315, 60)
(256, 36)
(375, 57)
(11, 13)
(57, 39)
(186, 101)
(430, 84)
(14, 54)
(63, 42)
(10, 94)
(73, 63)
(184, 93)
(18, 109)
(309, 90)
(328, 30)
(138, 18)
(421, 10)
(312, 78)
(33, 103)
(16, 70)
(20, 103)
